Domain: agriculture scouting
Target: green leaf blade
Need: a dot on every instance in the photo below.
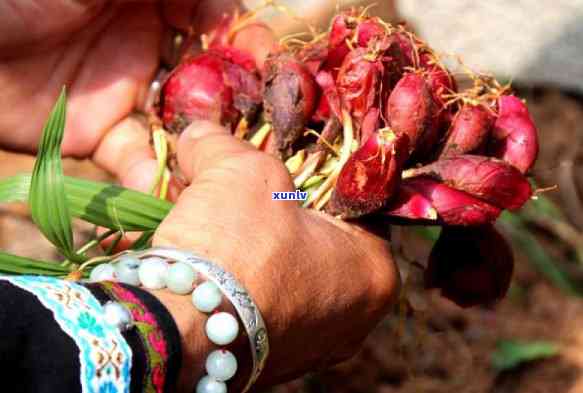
(13, 264)
(511, 353)
(47, 199)
(143, 242)
(99, 203)
(513, 225)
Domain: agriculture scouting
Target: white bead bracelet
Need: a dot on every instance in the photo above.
(157, 268)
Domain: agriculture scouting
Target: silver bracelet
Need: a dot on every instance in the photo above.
(237, 295)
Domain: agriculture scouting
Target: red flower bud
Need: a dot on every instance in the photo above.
(329, 103)
(236, 56)
(370, 124)
(219, 36)
(370, 177)
(220, 40)
(289, 98)
(514, 137)
(369, 30)
(441, 82)
(453, 207)
(398, 55)
(406, 48)
(411, 110)
(314, 55)
(340, 31)
(441, 85)
(492, 180)
(210, 87)
(468, 132)
(327, 54)
(358, 82)
(411, 205)
(471, 266)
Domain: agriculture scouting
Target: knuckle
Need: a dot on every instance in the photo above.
(264, 161)
(269, 168)
(215, 148)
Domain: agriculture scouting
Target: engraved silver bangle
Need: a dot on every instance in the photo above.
(238, 296)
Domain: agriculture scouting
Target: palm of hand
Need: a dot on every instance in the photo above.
(105, 54)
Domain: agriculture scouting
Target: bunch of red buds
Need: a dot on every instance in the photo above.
(370, 122)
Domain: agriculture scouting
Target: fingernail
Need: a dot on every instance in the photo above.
(141, 175)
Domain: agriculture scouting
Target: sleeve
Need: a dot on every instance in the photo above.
(55, 337)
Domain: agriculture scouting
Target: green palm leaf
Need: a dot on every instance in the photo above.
(99, 203)
(47, 200)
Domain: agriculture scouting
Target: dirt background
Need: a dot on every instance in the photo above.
(440, 348)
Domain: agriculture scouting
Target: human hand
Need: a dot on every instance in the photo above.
(106, 52)
(320, 283)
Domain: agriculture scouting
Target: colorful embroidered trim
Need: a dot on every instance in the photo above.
(151, 335)
(104, 355)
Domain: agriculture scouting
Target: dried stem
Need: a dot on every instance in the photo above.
(242, 128)
(408, 173)
(259, 137)
(348, 136)
(308, 169)
(162, 178)
(295, 162)
(322, 139)
(325, 198)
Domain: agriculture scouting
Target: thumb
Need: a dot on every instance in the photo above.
(204, 144)
(230, 191)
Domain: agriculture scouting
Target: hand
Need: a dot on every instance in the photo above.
(106, 52)
(320, 283)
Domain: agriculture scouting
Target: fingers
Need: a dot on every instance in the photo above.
(125, 152)
(210, 13)
(230, 191)
(125, 145)
(203, 144)
(108, 78)
(140, 176)
(180, 14)
(201, 14)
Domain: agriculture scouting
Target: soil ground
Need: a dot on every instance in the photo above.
(440, 348)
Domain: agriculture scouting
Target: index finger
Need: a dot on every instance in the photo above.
(200, 15)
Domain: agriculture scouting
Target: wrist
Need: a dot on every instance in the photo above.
(195, 344)
(192, 338)
(204, 300)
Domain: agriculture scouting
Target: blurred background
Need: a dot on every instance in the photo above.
(533, 340)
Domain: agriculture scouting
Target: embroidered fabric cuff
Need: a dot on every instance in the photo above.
(154, 339)
(54, 338)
